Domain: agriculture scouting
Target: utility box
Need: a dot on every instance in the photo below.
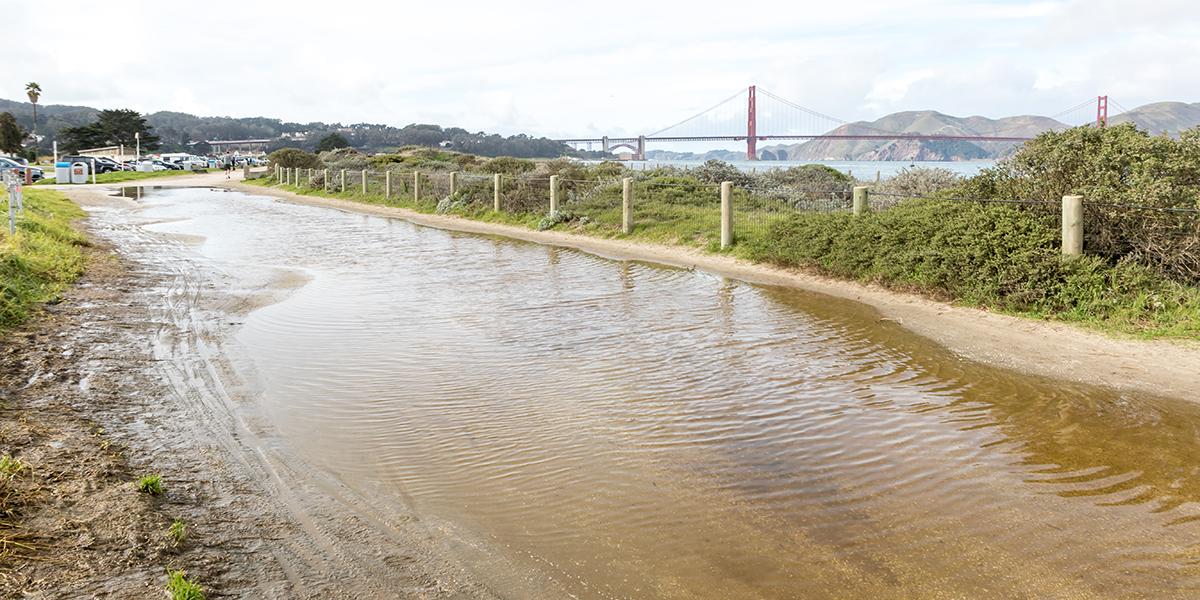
(62, 172)
(79, 172)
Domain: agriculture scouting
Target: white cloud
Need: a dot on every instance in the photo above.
(552, 68)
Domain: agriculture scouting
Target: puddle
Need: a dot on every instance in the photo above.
(625, 430)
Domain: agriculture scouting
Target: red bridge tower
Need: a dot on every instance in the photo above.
(751, 129)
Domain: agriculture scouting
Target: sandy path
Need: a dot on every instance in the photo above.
(1048, 349)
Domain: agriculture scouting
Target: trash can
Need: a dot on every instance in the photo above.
(79, 172)
(62, 172)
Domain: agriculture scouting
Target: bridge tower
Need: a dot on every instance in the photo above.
(751, 128)
(1101, 111)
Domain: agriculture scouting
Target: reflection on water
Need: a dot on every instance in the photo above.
(619, 429)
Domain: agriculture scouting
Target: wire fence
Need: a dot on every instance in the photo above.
(595, 204)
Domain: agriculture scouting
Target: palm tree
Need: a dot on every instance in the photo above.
(34, 91)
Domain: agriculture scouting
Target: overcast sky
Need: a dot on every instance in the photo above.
(560, 68)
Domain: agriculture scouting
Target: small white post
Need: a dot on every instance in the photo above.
(553, 194)
(1072, 225)
(861, 200)
(726, 214)
(453, 183)
(497, 180)
(364, 181)
(627, 205)
(416, 186)
(325, 178)
(387, 185)
(343, 180)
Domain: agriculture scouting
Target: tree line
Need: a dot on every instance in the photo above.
(83, 127)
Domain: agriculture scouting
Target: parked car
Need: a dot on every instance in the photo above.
(160, 165)
(101, 165)
(6, 163)
(110, 163)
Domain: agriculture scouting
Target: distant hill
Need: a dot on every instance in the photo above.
(1169, 117)
(725, 155)
(1156, 118)
(923, 122)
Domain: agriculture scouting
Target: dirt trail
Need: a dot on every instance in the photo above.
(90, 403)
(1047, 349)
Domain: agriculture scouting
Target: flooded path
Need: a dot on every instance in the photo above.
(570, 425)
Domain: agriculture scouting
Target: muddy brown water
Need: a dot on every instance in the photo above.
(571, 425)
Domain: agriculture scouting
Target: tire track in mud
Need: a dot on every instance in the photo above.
(289, 531)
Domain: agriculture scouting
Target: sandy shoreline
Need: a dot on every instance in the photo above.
(1043, 348)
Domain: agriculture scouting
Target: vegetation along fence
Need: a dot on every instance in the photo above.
(687, 209)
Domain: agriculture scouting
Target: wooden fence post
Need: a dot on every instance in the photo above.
(416, 186)
(1072, 225)
(861, 200)
(726, 214)
(627, 205)
(364, 181)
(387, 185)
(553, 194)
(496, 183)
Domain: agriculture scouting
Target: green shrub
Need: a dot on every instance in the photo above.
(182, 588)
(919, 182)
(1112, 167)
(294, 158)
(11, 467)
(717, 171)
(507, 165)
(177, 533)
(150, 484)
(557, 218)
(341, 158)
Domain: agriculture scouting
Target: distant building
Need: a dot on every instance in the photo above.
(239, 146)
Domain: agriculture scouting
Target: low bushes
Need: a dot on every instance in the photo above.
(993, 255)
(1114, 168)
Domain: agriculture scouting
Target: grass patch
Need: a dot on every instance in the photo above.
(44, 256)
(11, 467)
(182, 588)
(121, 176)
(150, 484)
(177, 532)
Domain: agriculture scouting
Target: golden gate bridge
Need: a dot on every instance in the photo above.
(779, 119)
